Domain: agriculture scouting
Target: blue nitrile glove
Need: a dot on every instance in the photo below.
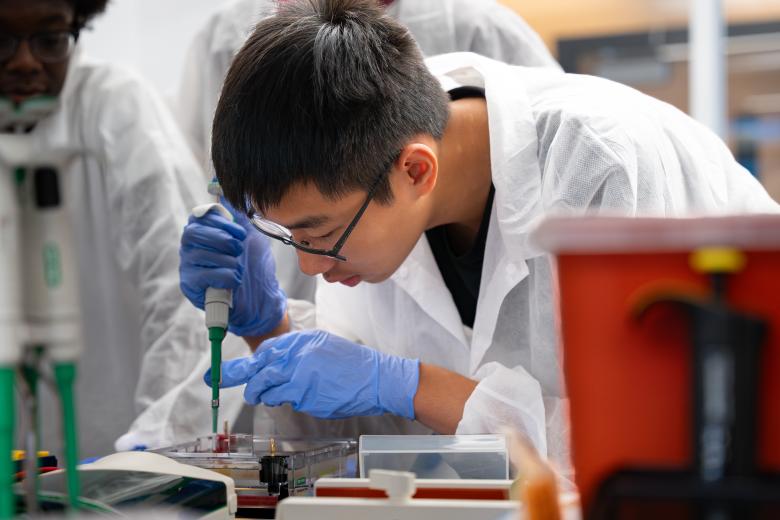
(325, 376)
(232, 255)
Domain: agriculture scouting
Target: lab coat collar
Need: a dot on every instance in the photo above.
(516, 210)
(518, 182)
(517, 176)
(419, 276)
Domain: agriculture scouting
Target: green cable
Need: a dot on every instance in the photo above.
(216, 335)
(7, 417)
(65, 377)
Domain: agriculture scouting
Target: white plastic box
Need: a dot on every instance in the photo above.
(436, 456)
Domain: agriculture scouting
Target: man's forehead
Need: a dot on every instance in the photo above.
(305, 206)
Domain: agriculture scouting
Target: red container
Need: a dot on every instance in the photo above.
(629, 380)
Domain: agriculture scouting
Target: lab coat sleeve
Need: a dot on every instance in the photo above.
(512, 398)
(496, 31)
(302, 314)
(152, 181)
(598, 171)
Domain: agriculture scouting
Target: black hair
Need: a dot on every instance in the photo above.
(325, 92)
(86, 10)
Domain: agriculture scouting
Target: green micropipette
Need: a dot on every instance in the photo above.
(217, 307)
(216, 335)
(7, 416)
(65, 378)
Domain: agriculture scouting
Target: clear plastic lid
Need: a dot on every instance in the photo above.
(624, 235)
(432, 443)
(436, 456)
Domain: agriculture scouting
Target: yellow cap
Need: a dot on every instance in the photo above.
(20, 454)
(717, 260)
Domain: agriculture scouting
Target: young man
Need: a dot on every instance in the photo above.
(439, 26)
(129, 191)
(414, 199)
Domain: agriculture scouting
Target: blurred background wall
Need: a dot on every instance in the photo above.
(643, 43)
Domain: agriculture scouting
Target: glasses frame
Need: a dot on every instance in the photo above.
(336, 249)
(30, 38)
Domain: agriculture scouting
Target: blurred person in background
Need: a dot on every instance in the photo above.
(129, 192)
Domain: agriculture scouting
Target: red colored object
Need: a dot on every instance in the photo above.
(42, 469)
(222, 443)
(433, 493)
(253, 501)
(628, 380)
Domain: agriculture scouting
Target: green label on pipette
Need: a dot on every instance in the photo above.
(52, 268)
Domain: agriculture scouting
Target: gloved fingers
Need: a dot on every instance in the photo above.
(276, 396)
(211, 259)
(235, 372)
(195, 294)
(197, 279)
(272, 375)
(197, 236)
(216, 220)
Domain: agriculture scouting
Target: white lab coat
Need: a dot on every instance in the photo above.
(559, 143)
(439, 26)
(130, 190)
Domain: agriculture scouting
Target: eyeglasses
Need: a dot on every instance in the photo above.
(284, 235)
(47, 47)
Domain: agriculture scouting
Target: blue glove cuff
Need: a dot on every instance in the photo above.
(397, 382)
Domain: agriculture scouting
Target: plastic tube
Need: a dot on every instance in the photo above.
(216, 335)
(7, 417)
(65, 377)
(30, 374)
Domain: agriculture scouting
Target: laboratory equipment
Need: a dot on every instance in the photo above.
(672, 376)
(436, 456)
(266, 470)
(217, 306)
(39, 310)
(10, 320)
(127, 482)
(399, 487)
(532, 496)
(442, 489)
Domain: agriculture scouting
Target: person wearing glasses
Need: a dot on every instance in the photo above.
(439, 26)
(411, 188)
(129, 190)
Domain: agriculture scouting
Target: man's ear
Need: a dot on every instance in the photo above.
(419, 167)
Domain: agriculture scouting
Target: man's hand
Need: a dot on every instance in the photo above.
(216, 252)
(325, 376)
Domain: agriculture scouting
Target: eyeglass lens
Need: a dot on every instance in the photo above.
(47, 47)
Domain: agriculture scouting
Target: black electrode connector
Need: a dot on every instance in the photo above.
(273, 473)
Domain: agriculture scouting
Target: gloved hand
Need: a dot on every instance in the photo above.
(232, 255)
(325, 376)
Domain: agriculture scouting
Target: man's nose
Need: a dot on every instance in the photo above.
(23, 60)
(314, 264)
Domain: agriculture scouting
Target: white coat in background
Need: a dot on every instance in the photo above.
(559, 144)
(439, 26)
(130, 190)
